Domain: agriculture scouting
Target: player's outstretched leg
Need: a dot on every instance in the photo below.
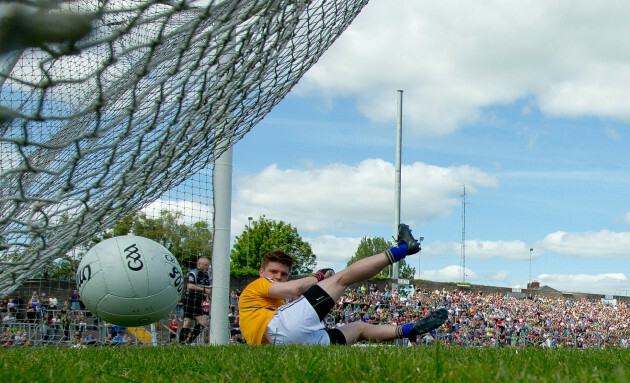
(366, 268)
(407, 245)
(358, 331)
(404, 236)
(428, 323)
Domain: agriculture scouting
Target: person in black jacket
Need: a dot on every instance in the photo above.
(198, 288)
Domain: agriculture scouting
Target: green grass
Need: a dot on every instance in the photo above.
(312, 364)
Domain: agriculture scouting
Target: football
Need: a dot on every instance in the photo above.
(129, 281)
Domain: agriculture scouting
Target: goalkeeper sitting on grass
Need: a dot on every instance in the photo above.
(266, 319)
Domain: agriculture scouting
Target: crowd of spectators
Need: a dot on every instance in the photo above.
(493, 320)
(44, 320)
(475, 319)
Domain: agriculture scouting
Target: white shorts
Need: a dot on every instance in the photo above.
(297, 322)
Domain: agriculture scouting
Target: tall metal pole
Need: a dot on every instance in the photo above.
(530, 267)
(463, 249)
(396, 266)
(420, 241)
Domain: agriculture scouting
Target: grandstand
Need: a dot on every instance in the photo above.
(38, 331)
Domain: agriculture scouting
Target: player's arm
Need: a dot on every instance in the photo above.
(191, 286)
(297, 287)
(201, 289)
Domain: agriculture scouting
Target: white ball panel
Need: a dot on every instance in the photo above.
(129, 281)
(133, 312)
(125, 267)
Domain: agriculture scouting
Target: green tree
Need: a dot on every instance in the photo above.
(185, 242)
(370, 246)
(64, 267)
(263, 236)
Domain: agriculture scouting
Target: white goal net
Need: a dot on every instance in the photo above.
(106, 105)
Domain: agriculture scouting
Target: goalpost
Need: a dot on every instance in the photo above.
(113, 107)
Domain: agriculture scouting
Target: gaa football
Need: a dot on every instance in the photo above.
(129, 281)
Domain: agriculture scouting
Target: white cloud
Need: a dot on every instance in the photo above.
(609, 283)
(332, 251)
(605, 244)
(478, 249)
(452, 59)
(448, 274)
(336, 196)
(590, 244)
(500, 276)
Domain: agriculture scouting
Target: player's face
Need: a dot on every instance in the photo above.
(275, 271)
(203, 265)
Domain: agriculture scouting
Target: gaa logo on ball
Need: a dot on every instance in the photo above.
(129, 281)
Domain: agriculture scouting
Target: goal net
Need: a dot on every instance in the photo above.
(108, 107)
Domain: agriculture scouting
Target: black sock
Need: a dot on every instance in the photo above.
(196, 331)
(183, 334)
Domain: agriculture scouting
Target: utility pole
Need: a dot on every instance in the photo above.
(463, 245)
(397, 182)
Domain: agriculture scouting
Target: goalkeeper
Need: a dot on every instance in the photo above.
(266, 319)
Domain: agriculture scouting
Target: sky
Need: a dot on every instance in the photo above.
(523, 104)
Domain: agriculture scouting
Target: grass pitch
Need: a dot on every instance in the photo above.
(312, 364)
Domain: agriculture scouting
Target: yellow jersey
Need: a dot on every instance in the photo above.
(256, 308)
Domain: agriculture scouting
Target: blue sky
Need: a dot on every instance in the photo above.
(523, 103)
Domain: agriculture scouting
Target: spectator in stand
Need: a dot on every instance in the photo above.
(8, 321)
(77, 342)
(7, 338)
(117, 330)
(31, 313)
(233, 301)
(34, 302)
(118, 339)
(74, 300)
(81, 323)
(12, 306)
(66, 321)
(180, 308)
(46, 328)
(108, 339)
(52, 302)
(90, 339)
(20, 339)
(3, 305)
(55, 322)
(172, 329)
(205, 306)
(109, 328)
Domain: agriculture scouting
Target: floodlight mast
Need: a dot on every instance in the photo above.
(396, 266)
